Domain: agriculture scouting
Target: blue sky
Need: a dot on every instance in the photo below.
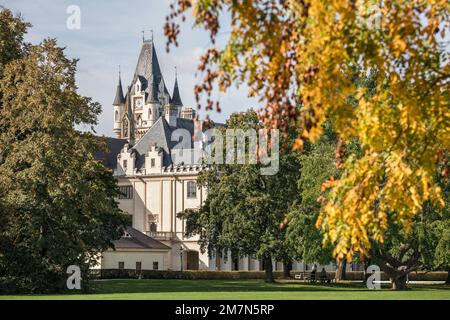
(110, 35)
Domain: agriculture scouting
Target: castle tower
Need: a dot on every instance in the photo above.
(119, 106)
(145, 101)
(153, 104)
(176, 98)
(171, 114)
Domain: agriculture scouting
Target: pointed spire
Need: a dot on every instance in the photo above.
(119, 99)
(148, 64)
(176, 99)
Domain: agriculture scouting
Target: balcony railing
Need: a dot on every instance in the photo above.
(159, 235)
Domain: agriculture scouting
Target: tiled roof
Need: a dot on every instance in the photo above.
(114, 147)
(137, 240)
(148, 70)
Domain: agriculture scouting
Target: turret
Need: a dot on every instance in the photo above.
(153, 104)
(171, 114)
(119, 105)
(176, 98)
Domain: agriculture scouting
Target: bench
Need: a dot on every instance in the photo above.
(308, 276)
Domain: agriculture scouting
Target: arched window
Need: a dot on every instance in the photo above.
(192, 189)
(117, 116)
(138, 88)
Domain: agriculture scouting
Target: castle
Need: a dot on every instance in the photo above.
(155, 186)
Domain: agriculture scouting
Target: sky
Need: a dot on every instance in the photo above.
(110, 35)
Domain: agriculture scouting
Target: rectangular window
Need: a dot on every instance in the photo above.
(138, 266)
(125, 165)
(153, 163)
(155, 265)
(121, 265)
(126, 192)
(192, 190)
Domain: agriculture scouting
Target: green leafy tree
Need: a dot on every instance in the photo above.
(317, 165)
(57, 201)
(426, 247)
(244, 210)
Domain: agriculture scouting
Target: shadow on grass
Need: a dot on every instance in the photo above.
(165, 286)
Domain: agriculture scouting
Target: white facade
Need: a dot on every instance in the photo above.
(155, 201)
(133, 259)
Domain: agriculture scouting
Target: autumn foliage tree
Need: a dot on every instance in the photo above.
(295, 53)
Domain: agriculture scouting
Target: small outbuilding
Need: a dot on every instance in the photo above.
(136, 251)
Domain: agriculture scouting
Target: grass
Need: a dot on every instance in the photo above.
(239, 290)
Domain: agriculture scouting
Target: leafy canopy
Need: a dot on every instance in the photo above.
(304, 53)
(57, 202)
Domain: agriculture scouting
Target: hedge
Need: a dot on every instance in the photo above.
(237, 275)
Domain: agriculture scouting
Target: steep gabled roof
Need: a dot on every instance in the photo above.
(176, 99)
(160, 134)
(148, 66)
(114, 147)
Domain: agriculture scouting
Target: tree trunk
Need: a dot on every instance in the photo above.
(268, 269)
(340, 273)
(398, 282)
(448, 276)
(287, 267)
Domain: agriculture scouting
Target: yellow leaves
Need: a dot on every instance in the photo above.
(401, 120)
(298, 145)
(398, 45)
(364, 196)
(330, 183)
(195, 9)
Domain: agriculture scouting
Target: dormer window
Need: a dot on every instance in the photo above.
(138, 88)
(152, 163)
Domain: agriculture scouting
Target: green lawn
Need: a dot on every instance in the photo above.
(239, 290)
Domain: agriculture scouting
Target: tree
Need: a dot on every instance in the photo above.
(317, 165)
(402, 252)
(57, 202)
(244, 209)
(12, 30)
(303, 53)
